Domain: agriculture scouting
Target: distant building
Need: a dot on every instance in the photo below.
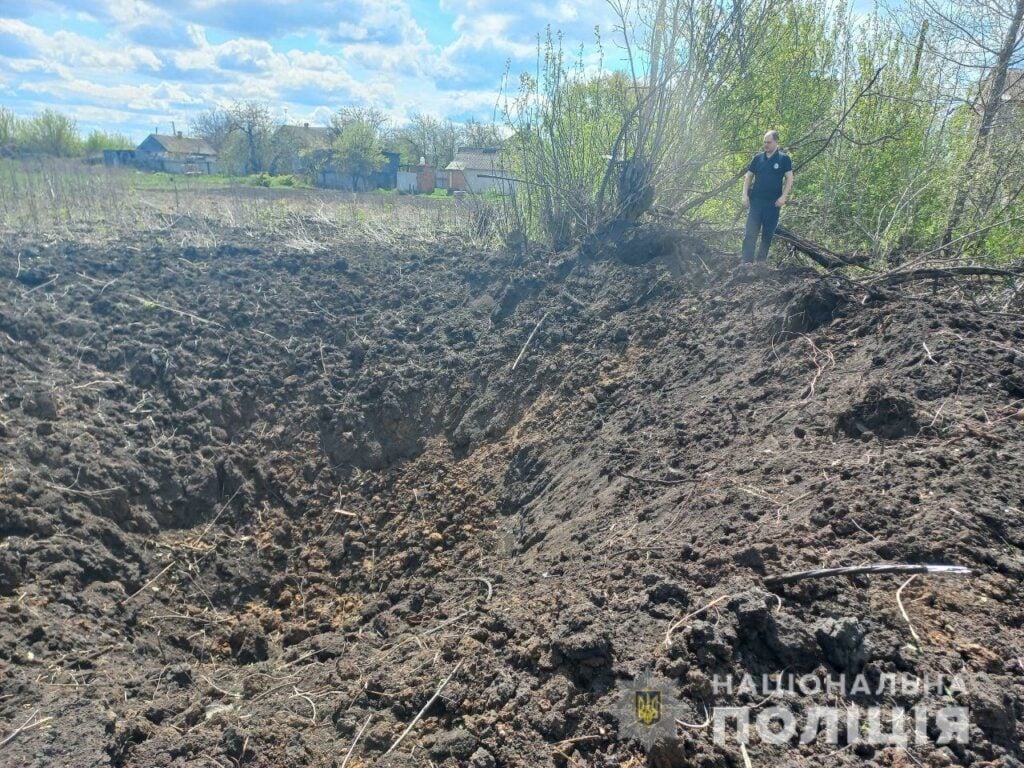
(1014, 88)
(296, 145)
(421, 178)
(385, 177)
(477, 170)
(1011, 100)
(114, 158)
(171, 154)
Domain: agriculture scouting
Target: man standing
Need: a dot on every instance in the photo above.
(771, 172)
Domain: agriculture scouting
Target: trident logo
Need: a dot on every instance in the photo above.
(648, 707)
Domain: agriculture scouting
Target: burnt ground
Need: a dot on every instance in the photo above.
(252, 500)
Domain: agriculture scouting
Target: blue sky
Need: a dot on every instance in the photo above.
(132, 65)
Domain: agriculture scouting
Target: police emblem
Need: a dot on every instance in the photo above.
(646, 709)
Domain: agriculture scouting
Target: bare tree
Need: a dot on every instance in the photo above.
(477, 134)
(252, 120)
(681, 53)
(420, 136)
(242, 133)
(213, 125)
(370, 117)
(434, 140)
(978, 44)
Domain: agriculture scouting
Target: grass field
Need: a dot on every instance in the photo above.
(67, 199)
(171, 181)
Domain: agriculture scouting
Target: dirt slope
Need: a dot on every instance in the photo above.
(252, 500)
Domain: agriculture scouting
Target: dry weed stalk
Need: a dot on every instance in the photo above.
(903, 611)
(820, 367)
(864, 570)
(691, 615)
(28, 725)
(151, 582)
(529, 338)
(351, 749)
(425, 707)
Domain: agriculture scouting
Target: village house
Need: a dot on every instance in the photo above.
(420, 178)
(478, 170)
(1011, 107)
(168, 153)
(296, 145)
(330, 176)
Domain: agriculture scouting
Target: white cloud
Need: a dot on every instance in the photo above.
(245, 55)
(73, 90)
(319, 116)
(77, 51)
(491, 33)
(407, 61)
(312, 60)
(19, 40)
(156, 61)
(74, 50)
(28, 66)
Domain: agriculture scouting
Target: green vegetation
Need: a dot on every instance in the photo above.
(53, 134)
(437, 141)
(893, 122)
(98, 140)
(168, 181)
(357, 141)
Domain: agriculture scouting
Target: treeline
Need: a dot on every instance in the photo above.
(906, 127)
(52, 134)
(250, 140)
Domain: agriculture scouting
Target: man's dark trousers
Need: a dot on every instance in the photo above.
(762, 218)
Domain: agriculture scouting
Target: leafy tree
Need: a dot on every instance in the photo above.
(288, 149)
(565, 128)
(50, 133)
(98, 140)
(977, 45)
(660, 141)
(358, 139)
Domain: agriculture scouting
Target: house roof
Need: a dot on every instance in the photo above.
(1013, 90)
(181, 145)
(476, 159)
(308, 136)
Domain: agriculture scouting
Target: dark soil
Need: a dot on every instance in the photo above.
(253, 499)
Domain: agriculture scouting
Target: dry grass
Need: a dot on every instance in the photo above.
(69, 200)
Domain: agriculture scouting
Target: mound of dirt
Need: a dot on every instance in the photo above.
(879, 413)
(814, 305)
(267, 508)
